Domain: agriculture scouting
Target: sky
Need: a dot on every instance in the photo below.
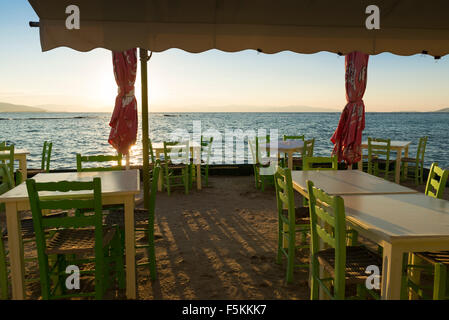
(211, 81)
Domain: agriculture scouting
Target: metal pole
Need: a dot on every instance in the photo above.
(145, 132)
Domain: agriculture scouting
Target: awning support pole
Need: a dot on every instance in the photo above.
(145, 132)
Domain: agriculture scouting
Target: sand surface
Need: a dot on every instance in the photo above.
(217, 243)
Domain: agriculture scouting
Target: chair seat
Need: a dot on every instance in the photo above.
(77, 241)
(434, 257)
(358, 258)
(301, 215)
(117, 217)
(27, 225)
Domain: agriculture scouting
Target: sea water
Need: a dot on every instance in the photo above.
(87, 133)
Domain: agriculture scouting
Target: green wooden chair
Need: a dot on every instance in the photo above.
(307, 151)
(291, 221)
(8, 158)
(436, 263)
(77, 240)
(177, 168)
(321, 163)
(101, 159)
(46, 158)
(143, 221)
(206, 146)
(344, 264)
(6, 184)
(262, 162)
(379, 153)
(418, 162)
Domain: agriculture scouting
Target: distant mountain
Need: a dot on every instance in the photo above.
(443, 110)
(9, 107)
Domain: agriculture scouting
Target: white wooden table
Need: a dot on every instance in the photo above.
(117, 187)
(289, 147)
(399, 223)
(195, 150)
(340, 182)
(21, 156)
(397, 146)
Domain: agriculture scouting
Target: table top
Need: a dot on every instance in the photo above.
(393, 144)
(399, 216)
(339, 182)
(160, 145)
(284, 145)
(112, 183)
(18, 152)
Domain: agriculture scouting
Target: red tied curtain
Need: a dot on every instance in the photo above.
(348, 136)
(124, 118)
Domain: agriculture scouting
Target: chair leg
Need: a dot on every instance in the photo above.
(291, 254)
(3, 272)
(439, 283)
(314, 285)
(280, 239)
(117, 251)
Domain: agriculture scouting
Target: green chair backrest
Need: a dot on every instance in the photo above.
(421, 150)
(150, 149)
(307, 150)
(38, 203)
(378, 148)
(435, 187)
(284, 193)
(206, 145)
(99, 159)
(46, 155)
(328, 223)
(7, 157)
(153, 189)
(177, 152)
(263, 140)
(287, 138)
(6, 182)
(320, 163)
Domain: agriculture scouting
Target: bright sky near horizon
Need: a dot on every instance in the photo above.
(181, 81)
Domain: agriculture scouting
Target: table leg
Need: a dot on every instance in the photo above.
(391, 273)
(397, 178)
(198, 168)
(23, 166)
(15, 251)
(360, 163)
(130, 248)
(405, 164)
(290, 159)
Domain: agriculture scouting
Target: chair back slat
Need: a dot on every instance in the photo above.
(206, 145)
(102, 159)
(436, 181)
(320, 163)
(307, 151)
(46, 156)
(177, 152)
(260, 151)
(6, 182)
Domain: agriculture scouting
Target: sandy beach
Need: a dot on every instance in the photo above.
(217, 243)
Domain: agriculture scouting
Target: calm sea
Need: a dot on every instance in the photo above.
(87, 133)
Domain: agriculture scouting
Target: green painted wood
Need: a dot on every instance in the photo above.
(6, 184)
(285, 200)
(206, 145)
(379, 149)
(320, 163)
(436, 181)
(176, 154)
(418, 168)
(51, 282)
(8, 158)
(99, 159)
(332, 206)
(46, 156)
